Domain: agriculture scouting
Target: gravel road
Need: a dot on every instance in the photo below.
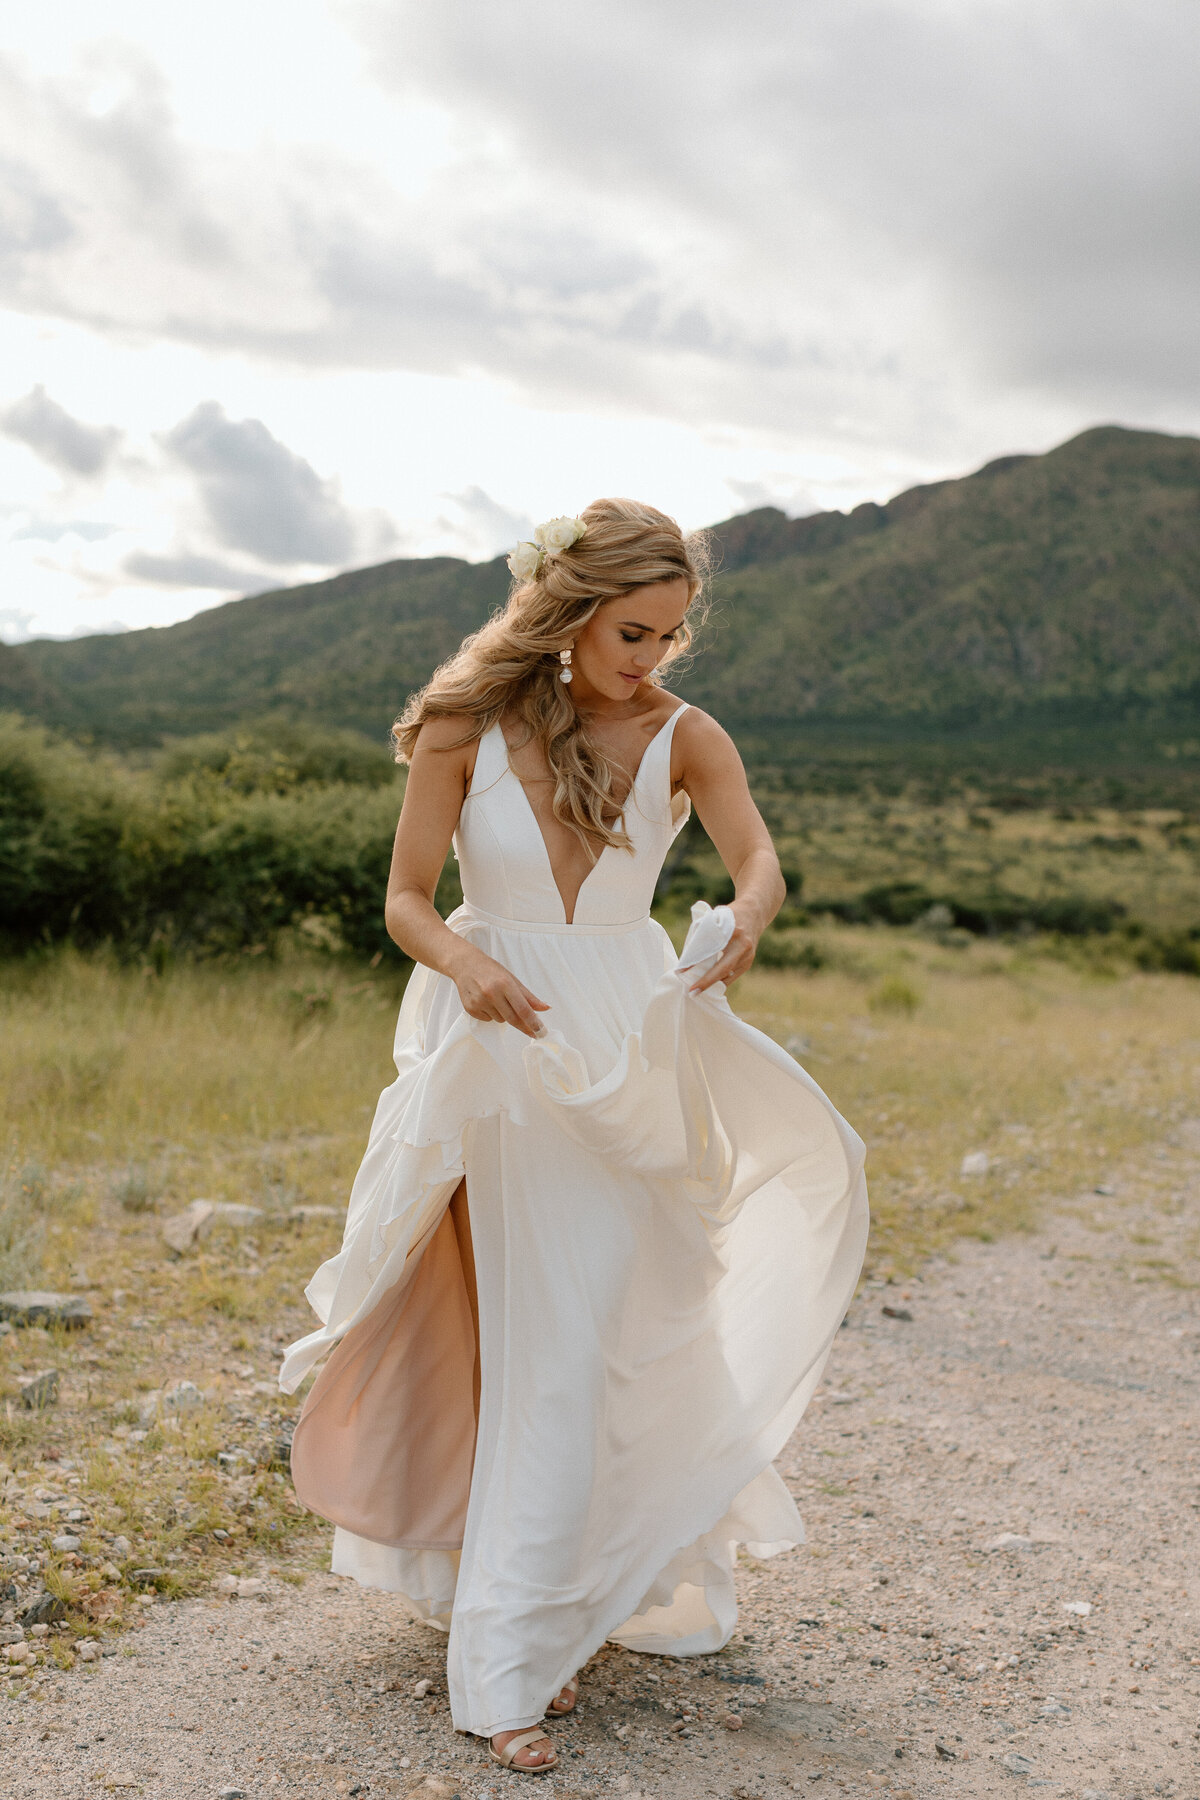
(1001, 1588)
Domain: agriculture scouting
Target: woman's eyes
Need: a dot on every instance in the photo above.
(631, 637)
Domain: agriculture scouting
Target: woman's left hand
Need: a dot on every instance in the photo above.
(734, 960)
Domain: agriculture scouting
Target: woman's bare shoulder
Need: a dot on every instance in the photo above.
(699, 733)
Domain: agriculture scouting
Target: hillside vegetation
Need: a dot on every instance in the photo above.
(1040, 592)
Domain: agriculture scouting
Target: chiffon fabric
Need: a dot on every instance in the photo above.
(548, 1417)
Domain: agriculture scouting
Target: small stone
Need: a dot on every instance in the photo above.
(1080, 1608)
(18, 1653)
(944, 1753)
(226, 1584)
(1095, 1794)
(27, 1307)
(232, 1794)
(65, 1544)
(1011, 1540)
(898, 1312)
(731, 1722)
(184, 1397)
(1104, 1187)
(87, 1650)
(1053, 1708)
(975, 1162)
(39, 1390)
(182, 1229)
(39, 1631)
(422, 1688)
(121, 1547)
(12, 1634)
(277, 1452)
(144, 1578)
(1016, 1764)
(46, 1609)
(249, 1587)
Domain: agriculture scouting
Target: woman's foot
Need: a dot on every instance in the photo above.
(534, 1753)
(565, 1700)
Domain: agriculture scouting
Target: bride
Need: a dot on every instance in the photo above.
(604, 1231)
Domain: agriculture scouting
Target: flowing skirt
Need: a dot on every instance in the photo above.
(550, 1422)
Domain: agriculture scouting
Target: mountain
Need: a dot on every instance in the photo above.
(1066, 584)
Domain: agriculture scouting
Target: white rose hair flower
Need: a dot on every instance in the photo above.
(525, 561)
(558, 534)
(550, 539)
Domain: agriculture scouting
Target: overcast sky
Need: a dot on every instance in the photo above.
(292, 285)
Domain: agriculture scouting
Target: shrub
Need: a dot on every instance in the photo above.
(22, 1223)
(91, 851)
(984, 914)
(894, 995)
(277, 760)
(788, 950)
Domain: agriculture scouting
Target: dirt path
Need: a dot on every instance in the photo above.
(1045, 1391)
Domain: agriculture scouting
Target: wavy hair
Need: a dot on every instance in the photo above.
(512, 664)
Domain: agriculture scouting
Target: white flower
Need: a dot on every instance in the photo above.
(525, 561)
(559, 534)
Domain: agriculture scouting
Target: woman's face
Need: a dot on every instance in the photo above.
(626, 639)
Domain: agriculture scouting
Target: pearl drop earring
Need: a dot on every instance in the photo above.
(564, 657)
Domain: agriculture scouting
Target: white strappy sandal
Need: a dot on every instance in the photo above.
(522, 1741)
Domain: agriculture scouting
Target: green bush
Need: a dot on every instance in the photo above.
(277, 760)
(205, 856)
(984, 914)
(788, 950)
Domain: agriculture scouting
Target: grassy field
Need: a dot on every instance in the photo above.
(125, 1094)
(1147, 861)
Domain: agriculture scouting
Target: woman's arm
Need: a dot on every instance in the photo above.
(437, 785)
(710, 770)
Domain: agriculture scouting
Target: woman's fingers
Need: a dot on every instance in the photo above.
(736, 959)
(518, 1013)
(494, 996)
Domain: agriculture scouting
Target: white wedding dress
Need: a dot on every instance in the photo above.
(667, 1219)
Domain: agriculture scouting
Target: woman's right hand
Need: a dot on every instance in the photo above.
(491, 992)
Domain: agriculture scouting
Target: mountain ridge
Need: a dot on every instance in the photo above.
(1068, 579)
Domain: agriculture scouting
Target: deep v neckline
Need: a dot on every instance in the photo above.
(604, 848)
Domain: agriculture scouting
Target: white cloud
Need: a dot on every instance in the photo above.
(66, 443)
(258, 495)
(769, 254)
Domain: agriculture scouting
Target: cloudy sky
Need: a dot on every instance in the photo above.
(290, 285)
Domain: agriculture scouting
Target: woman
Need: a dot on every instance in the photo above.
(604, 1232)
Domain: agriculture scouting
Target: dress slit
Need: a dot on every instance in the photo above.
(385, 1443)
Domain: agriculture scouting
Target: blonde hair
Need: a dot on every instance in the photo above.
(512, 664)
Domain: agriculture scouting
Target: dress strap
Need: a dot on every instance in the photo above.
(491, 762)
(652, 788)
